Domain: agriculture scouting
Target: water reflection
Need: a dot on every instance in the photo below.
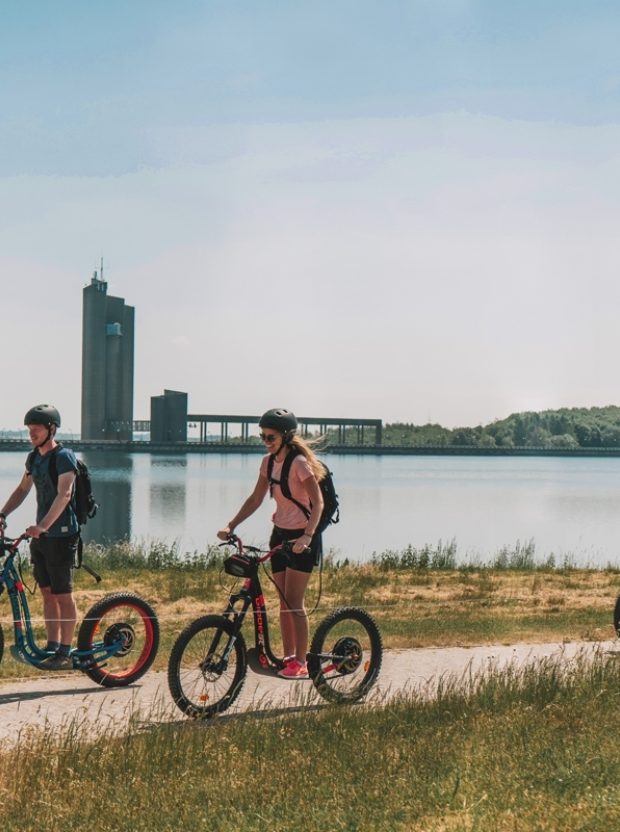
(568, 505)
(112, 475)
(167, 491)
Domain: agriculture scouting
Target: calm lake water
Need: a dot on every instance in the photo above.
(570, 507)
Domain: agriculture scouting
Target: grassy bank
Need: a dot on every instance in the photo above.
(418, 597)
(530, 750)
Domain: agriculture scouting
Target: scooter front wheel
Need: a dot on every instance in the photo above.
(207, 667)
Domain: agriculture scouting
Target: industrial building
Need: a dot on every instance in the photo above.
(107, 363)
(169, 417)
(107, 392)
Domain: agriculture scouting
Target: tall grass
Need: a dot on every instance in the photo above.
(444, 556)
(419, 597)
(160, 555)
(520, 750)
(152, 555)
(441, 557)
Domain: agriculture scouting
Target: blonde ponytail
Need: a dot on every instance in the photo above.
(305, 447)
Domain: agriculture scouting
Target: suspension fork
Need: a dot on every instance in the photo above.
(236, 616)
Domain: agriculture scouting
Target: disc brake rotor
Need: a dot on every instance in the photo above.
(347, 655)
(122, 632)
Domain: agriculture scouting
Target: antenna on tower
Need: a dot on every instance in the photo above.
(101, 271)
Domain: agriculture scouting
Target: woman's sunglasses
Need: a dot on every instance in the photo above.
(268, 437)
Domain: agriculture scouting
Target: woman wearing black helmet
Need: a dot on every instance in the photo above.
(295, 519)
(55, 534)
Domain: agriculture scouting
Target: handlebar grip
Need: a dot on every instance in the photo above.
(287, 546)
(232, 540)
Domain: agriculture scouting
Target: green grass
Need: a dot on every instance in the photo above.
(418, 597)
(519, 750)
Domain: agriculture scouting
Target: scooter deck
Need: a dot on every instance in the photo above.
(256, 666)
(266, 670)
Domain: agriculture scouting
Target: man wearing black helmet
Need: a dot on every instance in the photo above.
(55, 534)
(296, 519)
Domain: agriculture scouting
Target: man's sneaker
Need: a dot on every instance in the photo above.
(294, 670)
(57, 662)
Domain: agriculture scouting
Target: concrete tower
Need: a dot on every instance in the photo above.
(169, 417)
(107, 363)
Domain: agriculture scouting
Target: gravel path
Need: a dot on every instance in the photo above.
(56, 702)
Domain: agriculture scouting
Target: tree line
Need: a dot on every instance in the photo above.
(567, 428)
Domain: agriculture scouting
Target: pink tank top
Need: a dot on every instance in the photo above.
(287, 515)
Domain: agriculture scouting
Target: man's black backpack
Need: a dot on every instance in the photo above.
(83, 499)
(331, 511)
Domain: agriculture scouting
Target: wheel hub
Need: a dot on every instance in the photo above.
(123, 633)
(347, 655)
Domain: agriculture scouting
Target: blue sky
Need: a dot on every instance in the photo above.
(397, 210)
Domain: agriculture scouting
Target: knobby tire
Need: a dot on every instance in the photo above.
(124, 617)
(199, 681)
(617, 617)
(345, 655)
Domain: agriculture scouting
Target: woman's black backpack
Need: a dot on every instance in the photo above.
(331, 510)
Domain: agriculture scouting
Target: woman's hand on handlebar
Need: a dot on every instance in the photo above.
(300, 545)
(225, 533)
(228, 537)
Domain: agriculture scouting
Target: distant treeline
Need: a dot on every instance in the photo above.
(576, 427)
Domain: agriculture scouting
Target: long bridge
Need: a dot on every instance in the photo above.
(230, 433)
(307, 425)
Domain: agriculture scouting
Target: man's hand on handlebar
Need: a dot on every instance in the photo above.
(35, 531)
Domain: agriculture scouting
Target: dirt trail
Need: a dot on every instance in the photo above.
(55, 702)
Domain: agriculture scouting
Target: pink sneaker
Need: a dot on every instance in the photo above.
(294, 670)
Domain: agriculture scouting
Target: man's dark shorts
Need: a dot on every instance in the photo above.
(305, 562)
(53, 559)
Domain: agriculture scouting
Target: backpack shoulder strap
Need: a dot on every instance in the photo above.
(286, 467)
(283, 481)
(52, 463)
(52, 467)
(30, 460)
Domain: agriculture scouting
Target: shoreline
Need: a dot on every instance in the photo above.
(183, 448)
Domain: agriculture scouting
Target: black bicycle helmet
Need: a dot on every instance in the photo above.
(42, 414)
(279, 419)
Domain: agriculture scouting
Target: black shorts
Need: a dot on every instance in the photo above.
(305, 562)
(53, 559)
